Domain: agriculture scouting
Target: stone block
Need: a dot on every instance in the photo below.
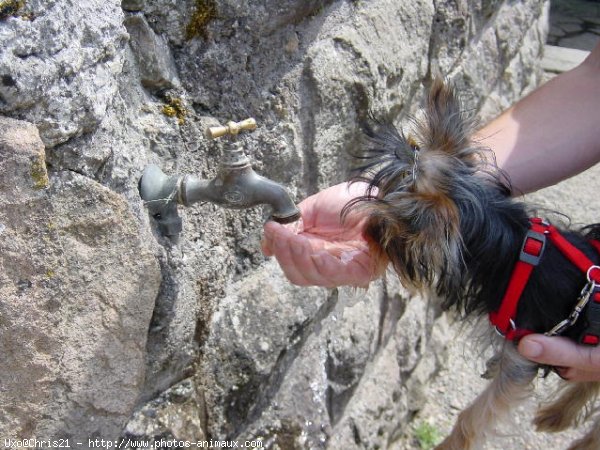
(77, 290)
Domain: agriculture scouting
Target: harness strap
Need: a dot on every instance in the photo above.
(529, 257)
(531, 253)
(576, 256)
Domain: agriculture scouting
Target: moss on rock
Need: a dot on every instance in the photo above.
(9, 8)
(39, 173)
(206, 11)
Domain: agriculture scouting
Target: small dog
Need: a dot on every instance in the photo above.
(440, 211)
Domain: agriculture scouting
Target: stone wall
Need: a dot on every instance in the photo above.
(109, 329)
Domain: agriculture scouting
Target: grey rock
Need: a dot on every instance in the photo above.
(77, 290)
(178, 413)
(63, 65)
(559, 59)
(504, 57)
(584, 41)
(153, 56)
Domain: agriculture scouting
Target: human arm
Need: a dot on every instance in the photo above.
(551, 134)
(324, 251)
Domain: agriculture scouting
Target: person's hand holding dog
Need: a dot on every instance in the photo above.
(574, 362)
(323, 251)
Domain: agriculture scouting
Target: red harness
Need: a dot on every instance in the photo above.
(531, 252)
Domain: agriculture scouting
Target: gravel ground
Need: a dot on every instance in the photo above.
(459, 383)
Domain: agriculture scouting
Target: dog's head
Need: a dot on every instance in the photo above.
(430, 194)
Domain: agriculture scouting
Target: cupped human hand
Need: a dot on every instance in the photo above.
(323, 250)
(574, 362)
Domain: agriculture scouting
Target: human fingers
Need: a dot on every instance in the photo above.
(325, 206)
(293, 252)
(581, 361)
(272, 232)
(276, 242)
(266, 243)
(349, 268)
(310, 261)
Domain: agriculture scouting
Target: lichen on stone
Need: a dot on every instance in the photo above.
(174, 107)
(10, 8)
(38, 173)
(206, 11)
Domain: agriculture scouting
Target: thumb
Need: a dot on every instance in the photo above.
(559, 351)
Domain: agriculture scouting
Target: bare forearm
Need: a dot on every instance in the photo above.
(553, 133)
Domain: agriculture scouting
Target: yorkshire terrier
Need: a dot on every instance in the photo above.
(441, 212)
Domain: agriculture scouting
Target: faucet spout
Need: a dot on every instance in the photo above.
(240, 188)
(234, 187)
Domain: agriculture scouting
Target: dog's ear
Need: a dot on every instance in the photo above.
(446, 126)
(388, 156)
(415, 184)
(420, 236)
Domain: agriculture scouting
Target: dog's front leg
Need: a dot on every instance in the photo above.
(510, 385)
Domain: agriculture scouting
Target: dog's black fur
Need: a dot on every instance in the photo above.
(441, 213)
(472, 197)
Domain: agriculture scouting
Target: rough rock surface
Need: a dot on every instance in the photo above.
(223, 343)
(77, 290)
(60, 70)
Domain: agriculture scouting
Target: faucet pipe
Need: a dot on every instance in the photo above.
(239, 188)
(236, 186)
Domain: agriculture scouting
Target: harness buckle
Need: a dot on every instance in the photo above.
(533, 247)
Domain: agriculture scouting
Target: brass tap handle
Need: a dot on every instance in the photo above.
(232, 128)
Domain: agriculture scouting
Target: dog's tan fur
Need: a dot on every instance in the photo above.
(510, 386)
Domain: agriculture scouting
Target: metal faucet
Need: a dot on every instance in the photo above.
(236, 186)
